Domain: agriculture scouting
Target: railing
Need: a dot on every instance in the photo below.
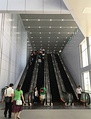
(33, 84)
(71, 80)
(60, 84)
(48, 100)
(85, 98)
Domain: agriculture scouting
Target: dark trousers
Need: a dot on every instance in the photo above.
(79, 98)
(8, 107)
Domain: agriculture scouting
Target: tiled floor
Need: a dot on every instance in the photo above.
(52, 112)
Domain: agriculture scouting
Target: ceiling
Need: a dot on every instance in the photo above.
(81, 11)
(49, 31)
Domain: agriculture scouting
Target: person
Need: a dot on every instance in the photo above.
(18, 94)
(42, 94)
(9, 92)
(36, 95)
(79, 91)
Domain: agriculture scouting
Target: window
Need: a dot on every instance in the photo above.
(90, 49)
(84, 55)
(86, 81)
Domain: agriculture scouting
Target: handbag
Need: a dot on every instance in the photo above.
(7, 99)
(18, 102)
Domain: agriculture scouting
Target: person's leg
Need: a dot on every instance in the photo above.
(6, 109)
(10, 109)
(15, 115)
(18, 115)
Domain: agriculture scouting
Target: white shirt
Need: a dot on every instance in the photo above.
(36, 93)
(78, 90)
(9, 91)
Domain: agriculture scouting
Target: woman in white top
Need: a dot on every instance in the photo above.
(79, 91)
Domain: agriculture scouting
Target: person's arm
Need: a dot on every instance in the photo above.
(23, 98)
(4, 96)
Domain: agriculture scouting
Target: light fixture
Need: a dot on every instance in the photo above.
(26, 19)
(38, 19)
(28, 26)
(50, 19)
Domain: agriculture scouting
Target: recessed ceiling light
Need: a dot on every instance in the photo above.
(30, 32)
(64, 41)
(48, 41)
(39, 26)
(56, 41)
(28, 26)
(48, 44)
(50, 19)
(26, 19)
(49, 26)
(49, 32)
(38, 19)
(32, 41)
(40, 37)
(39, 32)
(58, 32)
(31, 37)
(66, 37)
(40, 41)
(48, 37)
(57, 37)
(62, 19)
(60, 26)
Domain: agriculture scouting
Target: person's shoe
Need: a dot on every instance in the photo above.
(5, 115)
(18, 117)
(9, 117)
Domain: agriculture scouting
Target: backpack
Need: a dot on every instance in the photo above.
(3, 90)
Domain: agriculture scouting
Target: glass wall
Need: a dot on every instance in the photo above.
(84, 54)
(85, 47)
(86, 81)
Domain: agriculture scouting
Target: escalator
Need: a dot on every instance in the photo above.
(53, 82)
(40, 78)
(66, 81)
(27, 81)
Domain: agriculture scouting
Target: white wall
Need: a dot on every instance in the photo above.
(13, 49)
(71, 57)
(33, 6)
